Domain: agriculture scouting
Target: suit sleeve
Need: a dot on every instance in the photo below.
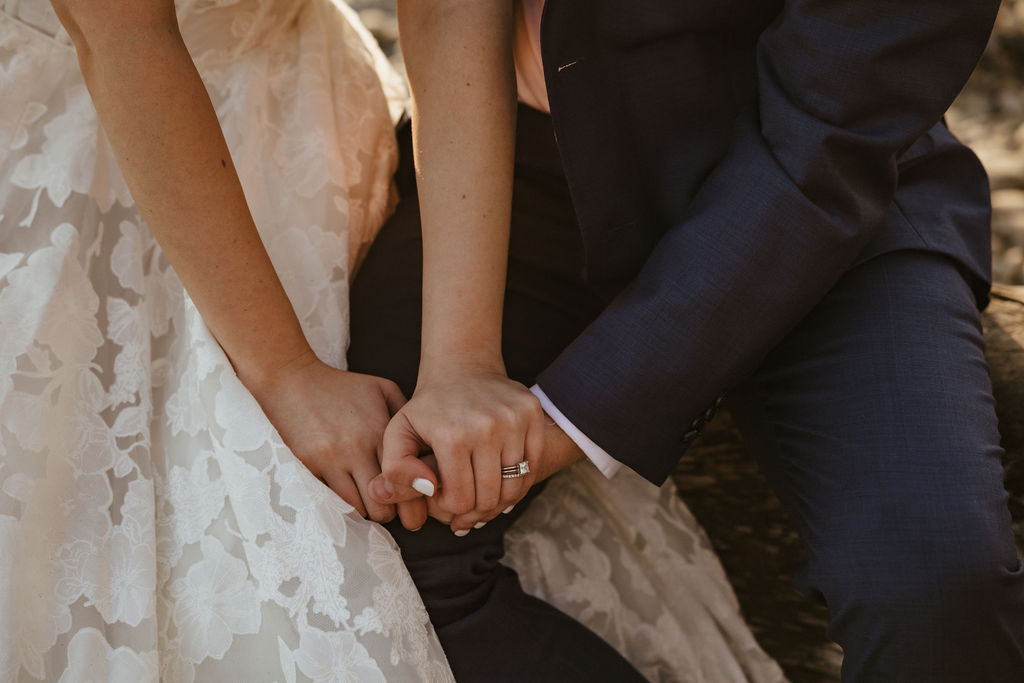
(844, 88)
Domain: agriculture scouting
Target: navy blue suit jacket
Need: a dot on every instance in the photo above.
(728, 162)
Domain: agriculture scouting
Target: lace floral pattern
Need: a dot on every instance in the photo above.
(629, 561)
(152, 524)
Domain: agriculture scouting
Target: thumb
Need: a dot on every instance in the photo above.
(393, 396)
(403, 475)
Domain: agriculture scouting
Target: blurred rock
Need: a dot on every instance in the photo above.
(989, 116)
(1004, 337)
(1008, 215)
(1009, 265)
(1005, 165)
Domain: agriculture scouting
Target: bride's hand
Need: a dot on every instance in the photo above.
(559, 452)
(475, 422)
(333, 421)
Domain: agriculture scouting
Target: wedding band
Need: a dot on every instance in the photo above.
(515, 471)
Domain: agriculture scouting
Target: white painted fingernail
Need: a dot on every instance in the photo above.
(508, 509)
(461, 532)
(424, 486)
(479, 525)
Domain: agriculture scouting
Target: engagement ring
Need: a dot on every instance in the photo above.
(515, 471)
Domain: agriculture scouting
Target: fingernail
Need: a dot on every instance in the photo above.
(424, 486)
(508, 509)
(479, 525)
(416, 529)
(461, 532)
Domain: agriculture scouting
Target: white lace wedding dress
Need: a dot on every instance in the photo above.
(152, 524)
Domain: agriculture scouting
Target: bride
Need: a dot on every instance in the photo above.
(153, 523)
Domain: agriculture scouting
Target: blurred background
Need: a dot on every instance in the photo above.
(719, 480)
(989, 116)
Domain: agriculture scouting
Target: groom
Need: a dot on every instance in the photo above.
(770, 207)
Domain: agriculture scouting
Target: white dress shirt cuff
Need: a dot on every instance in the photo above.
(597, 455)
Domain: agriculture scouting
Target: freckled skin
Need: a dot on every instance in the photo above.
(463, 141)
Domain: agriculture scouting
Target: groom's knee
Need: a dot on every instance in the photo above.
(946, 585)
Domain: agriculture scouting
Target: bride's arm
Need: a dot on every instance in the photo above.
(168, 142)
(162, 127)
(458, 56)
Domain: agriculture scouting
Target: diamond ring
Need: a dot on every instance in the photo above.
(515, 471)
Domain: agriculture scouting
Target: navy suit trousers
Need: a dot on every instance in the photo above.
(875, 423)
(873, 419)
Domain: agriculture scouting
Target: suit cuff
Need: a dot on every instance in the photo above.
(597, 455)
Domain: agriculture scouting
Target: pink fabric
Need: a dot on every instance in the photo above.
(529, 67)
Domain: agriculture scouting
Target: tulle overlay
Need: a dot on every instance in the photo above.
(153, 526)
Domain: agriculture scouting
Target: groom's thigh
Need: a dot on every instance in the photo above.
(875, 422)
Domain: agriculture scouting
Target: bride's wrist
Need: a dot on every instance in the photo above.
(264, 379)
(445, 366)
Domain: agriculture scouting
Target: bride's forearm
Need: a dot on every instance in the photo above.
(164, 131)
(459, 60)
(458, 55)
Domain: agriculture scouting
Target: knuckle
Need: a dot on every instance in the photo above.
(533, 407)
(371, 441)
(460, 505)
(447, 437)
(318, 450)
(462, 508)
(382, 515)
(491, 514)
(442, 444)
(508, 498)
(355, 502)
(463, 522)
(485, 505)
(508, 415)
(351, 444)
(442, 516)
(392, 469)
(484, 424)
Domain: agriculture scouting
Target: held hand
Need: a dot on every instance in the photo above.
(334, 423)
(558, 452)
(474, 422)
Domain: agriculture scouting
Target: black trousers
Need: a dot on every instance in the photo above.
(490, 629)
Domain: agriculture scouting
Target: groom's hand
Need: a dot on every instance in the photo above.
(474, 423)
